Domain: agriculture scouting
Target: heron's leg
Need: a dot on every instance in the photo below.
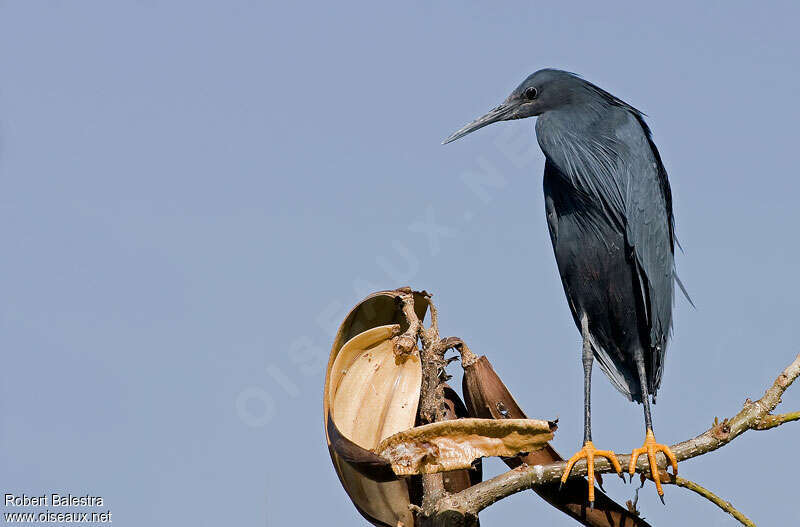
(650, 446)
(588, 359)
(588, 451)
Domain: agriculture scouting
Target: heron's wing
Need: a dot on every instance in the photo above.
(649, 231)
(618, 168)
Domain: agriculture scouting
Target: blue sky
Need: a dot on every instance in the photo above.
(193, 194)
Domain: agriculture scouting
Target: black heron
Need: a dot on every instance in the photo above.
(609, 211)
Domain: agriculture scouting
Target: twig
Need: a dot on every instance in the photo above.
(407, 342)
(710, 496)
(467, 357)
(771, 421)
(478, 497)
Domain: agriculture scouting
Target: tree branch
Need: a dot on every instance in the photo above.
(771, 421)
(710, 496)
(754, 415)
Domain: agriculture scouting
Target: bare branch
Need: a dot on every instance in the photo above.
(710, 496)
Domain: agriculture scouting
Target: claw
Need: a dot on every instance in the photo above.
(589, 452)
(650, 447)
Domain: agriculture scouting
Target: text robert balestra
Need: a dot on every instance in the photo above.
(52, 500)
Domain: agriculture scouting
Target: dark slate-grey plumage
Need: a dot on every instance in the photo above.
(609, 210)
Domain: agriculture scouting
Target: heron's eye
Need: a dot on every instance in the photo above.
(530, 93)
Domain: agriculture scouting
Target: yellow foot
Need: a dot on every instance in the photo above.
(589, 452)
(650, 448)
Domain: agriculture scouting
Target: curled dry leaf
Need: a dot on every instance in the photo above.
(451, 445)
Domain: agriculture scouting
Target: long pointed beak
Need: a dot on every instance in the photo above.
(501, 113)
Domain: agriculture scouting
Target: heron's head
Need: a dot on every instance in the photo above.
(541, 92)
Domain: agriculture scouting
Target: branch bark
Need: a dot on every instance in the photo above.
(753, 416)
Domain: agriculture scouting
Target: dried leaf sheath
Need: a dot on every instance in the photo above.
(450, 445)
(372, 403)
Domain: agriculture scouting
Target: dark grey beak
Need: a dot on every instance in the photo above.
(501, 113)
